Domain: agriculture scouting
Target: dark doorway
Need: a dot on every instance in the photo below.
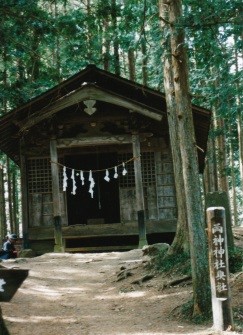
(104, 207)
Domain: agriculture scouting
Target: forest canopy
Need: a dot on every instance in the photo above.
(45, 42)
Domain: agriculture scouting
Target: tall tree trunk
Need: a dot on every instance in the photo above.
(4, 75)
(181, 241)
(211, 165)
(115, 39)
(15, 203)
(106, 45)
(3, 223)
(10, 195)
(188, 150)
(221, 155)
(34, 70)
(144, 60)
(233, 184)
(239, 115)
(131, 64)
(89, 36)
(240, 139)
(57, 59)
(210, 173)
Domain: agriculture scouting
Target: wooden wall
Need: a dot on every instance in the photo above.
(165, 186)
(159, 193)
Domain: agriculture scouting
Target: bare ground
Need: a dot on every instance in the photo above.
(81, 294)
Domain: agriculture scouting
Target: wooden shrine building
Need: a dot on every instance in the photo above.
(96, 164)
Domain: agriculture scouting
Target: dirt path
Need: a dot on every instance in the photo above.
(78, 294)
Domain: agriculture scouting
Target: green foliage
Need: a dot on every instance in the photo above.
(235, 260)
(186, 313)
(175, 263)
(237, 315)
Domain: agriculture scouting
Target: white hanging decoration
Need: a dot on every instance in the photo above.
(64, 178)
(116, 174)
(74, 183)
(107, 178)
(82, 177)
(92, 184)
(124, 171)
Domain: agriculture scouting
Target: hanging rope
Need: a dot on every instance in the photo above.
(100, 170)
(91, 180)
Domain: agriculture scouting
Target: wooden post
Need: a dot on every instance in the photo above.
(219, 268)
(139, 191)
(24, 194)
(56, 198)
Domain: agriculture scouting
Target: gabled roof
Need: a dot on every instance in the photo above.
(90, 83)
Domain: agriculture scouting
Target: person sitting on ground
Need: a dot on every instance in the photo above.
(8, 250)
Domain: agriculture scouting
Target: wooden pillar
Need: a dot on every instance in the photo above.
(139, 191)
(56, 197)
(24, 195)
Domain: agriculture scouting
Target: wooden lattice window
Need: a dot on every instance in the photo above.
(128, 180)
(148, 169)
(39, 175)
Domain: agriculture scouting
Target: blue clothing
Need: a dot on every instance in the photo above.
(8, 250)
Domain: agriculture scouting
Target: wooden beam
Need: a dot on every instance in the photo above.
(89, 141)
(56, 198)
(108, 229)
(101, 248)
(87, 93)
(98, 140)
(139, 191)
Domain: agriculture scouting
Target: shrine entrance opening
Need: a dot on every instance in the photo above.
(104, 207)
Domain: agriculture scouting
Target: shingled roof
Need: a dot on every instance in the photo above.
(152, 102)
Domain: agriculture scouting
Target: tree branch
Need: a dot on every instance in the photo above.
(165, 21)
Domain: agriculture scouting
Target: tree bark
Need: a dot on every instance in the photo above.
(239, 116)
(221, 155)
(240, 139)
(24, 195)
(10, 198)
(187, 145)
(3, 224)
(56, 198)
(139, 191)
(233, 182)
(181, 240)
(211, 168)
(115, 39)
(106, 45)
(131, 64)
(15, 202)
(57, 59)
(144, 60)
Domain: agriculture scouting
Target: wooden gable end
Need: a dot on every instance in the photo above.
(92, 84)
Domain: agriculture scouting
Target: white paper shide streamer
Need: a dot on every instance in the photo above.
(74, 183)
(116, 174)
(92, 184)
(124, 171)
(82, 177)
(107, 178)
(80, 174)
(65, 178)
